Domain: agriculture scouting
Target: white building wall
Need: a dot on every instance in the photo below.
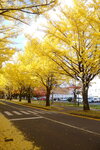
(94, 89)
(60, 96)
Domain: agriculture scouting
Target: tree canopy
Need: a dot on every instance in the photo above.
(71, 46)
(11, 14)
(41, 67)
(74, 42)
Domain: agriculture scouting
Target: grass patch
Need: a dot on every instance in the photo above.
(11, 138)
(64, 104)
(42, 106)
(36, 103)
(89, 113)
(94, 106)
(23, 101)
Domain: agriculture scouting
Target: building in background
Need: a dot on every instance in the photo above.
(63, 93)
(94, 89)
(60, 93)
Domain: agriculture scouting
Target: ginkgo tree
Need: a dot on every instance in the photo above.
(42, 67)
(73, 43)
(2, 84)
(20, 80)
(6, 86)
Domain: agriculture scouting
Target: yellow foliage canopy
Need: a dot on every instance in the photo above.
(73, 43)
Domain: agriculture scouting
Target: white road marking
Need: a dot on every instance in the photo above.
(16, 112)
(32, 112)
(8, 113)
(42, 112)
(72, 126)
(24, 112)
(39, 112)
(65, 124)
(17, 119)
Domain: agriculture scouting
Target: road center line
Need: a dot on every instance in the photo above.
(26, 118)
(78, 128)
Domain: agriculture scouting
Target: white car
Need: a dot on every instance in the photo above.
(96, 99)
(90, 99)
(79, 100)
(63, 99)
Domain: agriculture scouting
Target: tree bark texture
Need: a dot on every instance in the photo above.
(48, 97)
(85, 96)
(20, 97)
(29, 94)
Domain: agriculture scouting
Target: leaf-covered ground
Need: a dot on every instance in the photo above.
(11, 138)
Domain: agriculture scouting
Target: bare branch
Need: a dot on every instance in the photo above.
(15, 19)
(27, 7)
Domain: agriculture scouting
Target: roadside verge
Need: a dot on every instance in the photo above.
(11, 138)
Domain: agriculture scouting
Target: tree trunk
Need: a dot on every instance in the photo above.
(75, 96)
(10, 96)
(48, 97)
(20, 97)
(85, 96)
(29, 95)
(20, 94)
(29, 98)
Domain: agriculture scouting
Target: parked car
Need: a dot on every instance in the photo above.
(56, 99)
(96, 99)
(42, 98)
(62, 99)
(91, 99)
(79, 99)
(34, 98)
(69, 99)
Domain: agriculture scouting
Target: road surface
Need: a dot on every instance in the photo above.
(53, 130)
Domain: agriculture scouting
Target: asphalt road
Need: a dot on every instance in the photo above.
(53, 130)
